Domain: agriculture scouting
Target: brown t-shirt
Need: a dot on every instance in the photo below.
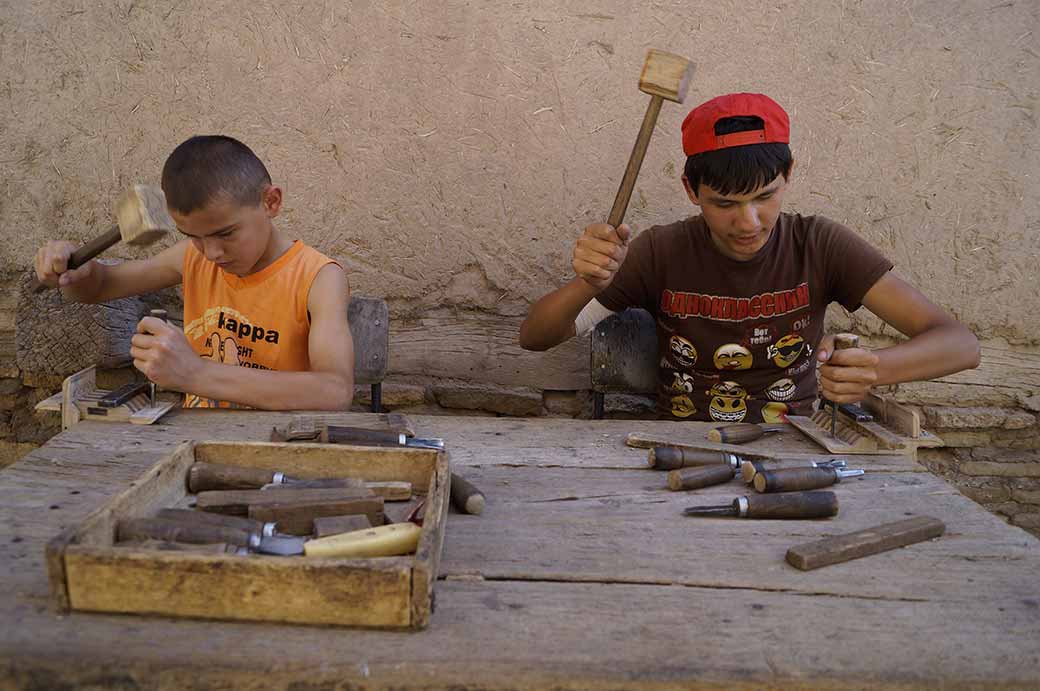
(737, 339)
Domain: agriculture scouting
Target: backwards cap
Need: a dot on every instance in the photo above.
(698, 129)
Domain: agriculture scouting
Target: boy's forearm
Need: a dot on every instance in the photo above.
(550, 321)
(271, 390)
(934, 353)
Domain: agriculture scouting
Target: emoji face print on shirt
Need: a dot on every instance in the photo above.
(728, 402)
(683, 351)
(786, 350)
(732, 356)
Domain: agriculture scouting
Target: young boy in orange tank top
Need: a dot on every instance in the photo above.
(265, 317)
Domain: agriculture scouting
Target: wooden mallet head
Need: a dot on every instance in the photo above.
(141, 219)
(666, 75)
(142, 216)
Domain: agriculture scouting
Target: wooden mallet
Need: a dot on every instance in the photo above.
(665, 76)
(141, 219)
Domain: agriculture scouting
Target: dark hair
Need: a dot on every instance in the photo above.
(207, 167)
(738, 169)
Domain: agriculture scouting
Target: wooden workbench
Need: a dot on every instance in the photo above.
(581, 573)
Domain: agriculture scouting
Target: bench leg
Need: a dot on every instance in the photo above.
(377, 397)
(597, 405)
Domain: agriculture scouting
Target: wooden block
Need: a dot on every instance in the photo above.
(73, 388)
(51, 404)
(334, 525)
(391, 491)
(863, 543)
(149, 414)
(297, 517)
(57, 336)
(666, 75)
(237, 502)
(623, 353)
(369, 320)
(848, 442)
(895, 415)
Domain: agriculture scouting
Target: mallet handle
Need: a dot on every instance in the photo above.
(635, 162)
(85, 253)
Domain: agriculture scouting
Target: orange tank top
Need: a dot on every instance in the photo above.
(257, 321)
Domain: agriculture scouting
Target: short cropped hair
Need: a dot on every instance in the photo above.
(205, 168)
(738, 169)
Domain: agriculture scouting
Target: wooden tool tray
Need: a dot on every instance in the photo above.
(88, 572)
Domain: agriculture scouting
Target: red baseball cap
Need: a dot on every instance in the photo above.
(698, 129)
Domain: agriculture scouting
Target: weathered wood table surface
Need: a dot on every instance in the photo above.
(581, 573)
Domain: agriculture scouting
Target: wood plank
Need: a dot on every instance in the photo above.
(297, 517)
(295, 590)
(624, 526)
(537, 635)
(483, 347)
(863, 543)
(428, 553)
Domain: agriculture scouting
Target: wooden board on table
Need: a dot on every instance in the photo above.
(859, 437)
(88, 572)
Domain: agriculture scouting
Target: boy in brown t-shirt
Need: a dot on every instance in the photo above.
(265, 317)
(739, 293)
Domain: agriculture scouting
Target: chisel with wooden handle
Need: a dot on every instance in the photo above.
(842, 341)
(159, 314)
(204, 477)
(743, 432)
(465, 497)
(790, 505)
(749, 469)
(672, 458)
(799, 479)
(237, 502)
(176, 531)
(190, 517)
(700, 476)
(334, 434)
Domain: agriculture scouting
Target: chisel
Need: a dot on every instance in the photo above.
(749, 469)
(215, 476)
(743, 432)
(177, 531)
(161, 316)
(798, 479)
(700, 476)
(465, 497)
(790, 505)
(672, 458)
(841, 342)
(190, 517)
(334, 434)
